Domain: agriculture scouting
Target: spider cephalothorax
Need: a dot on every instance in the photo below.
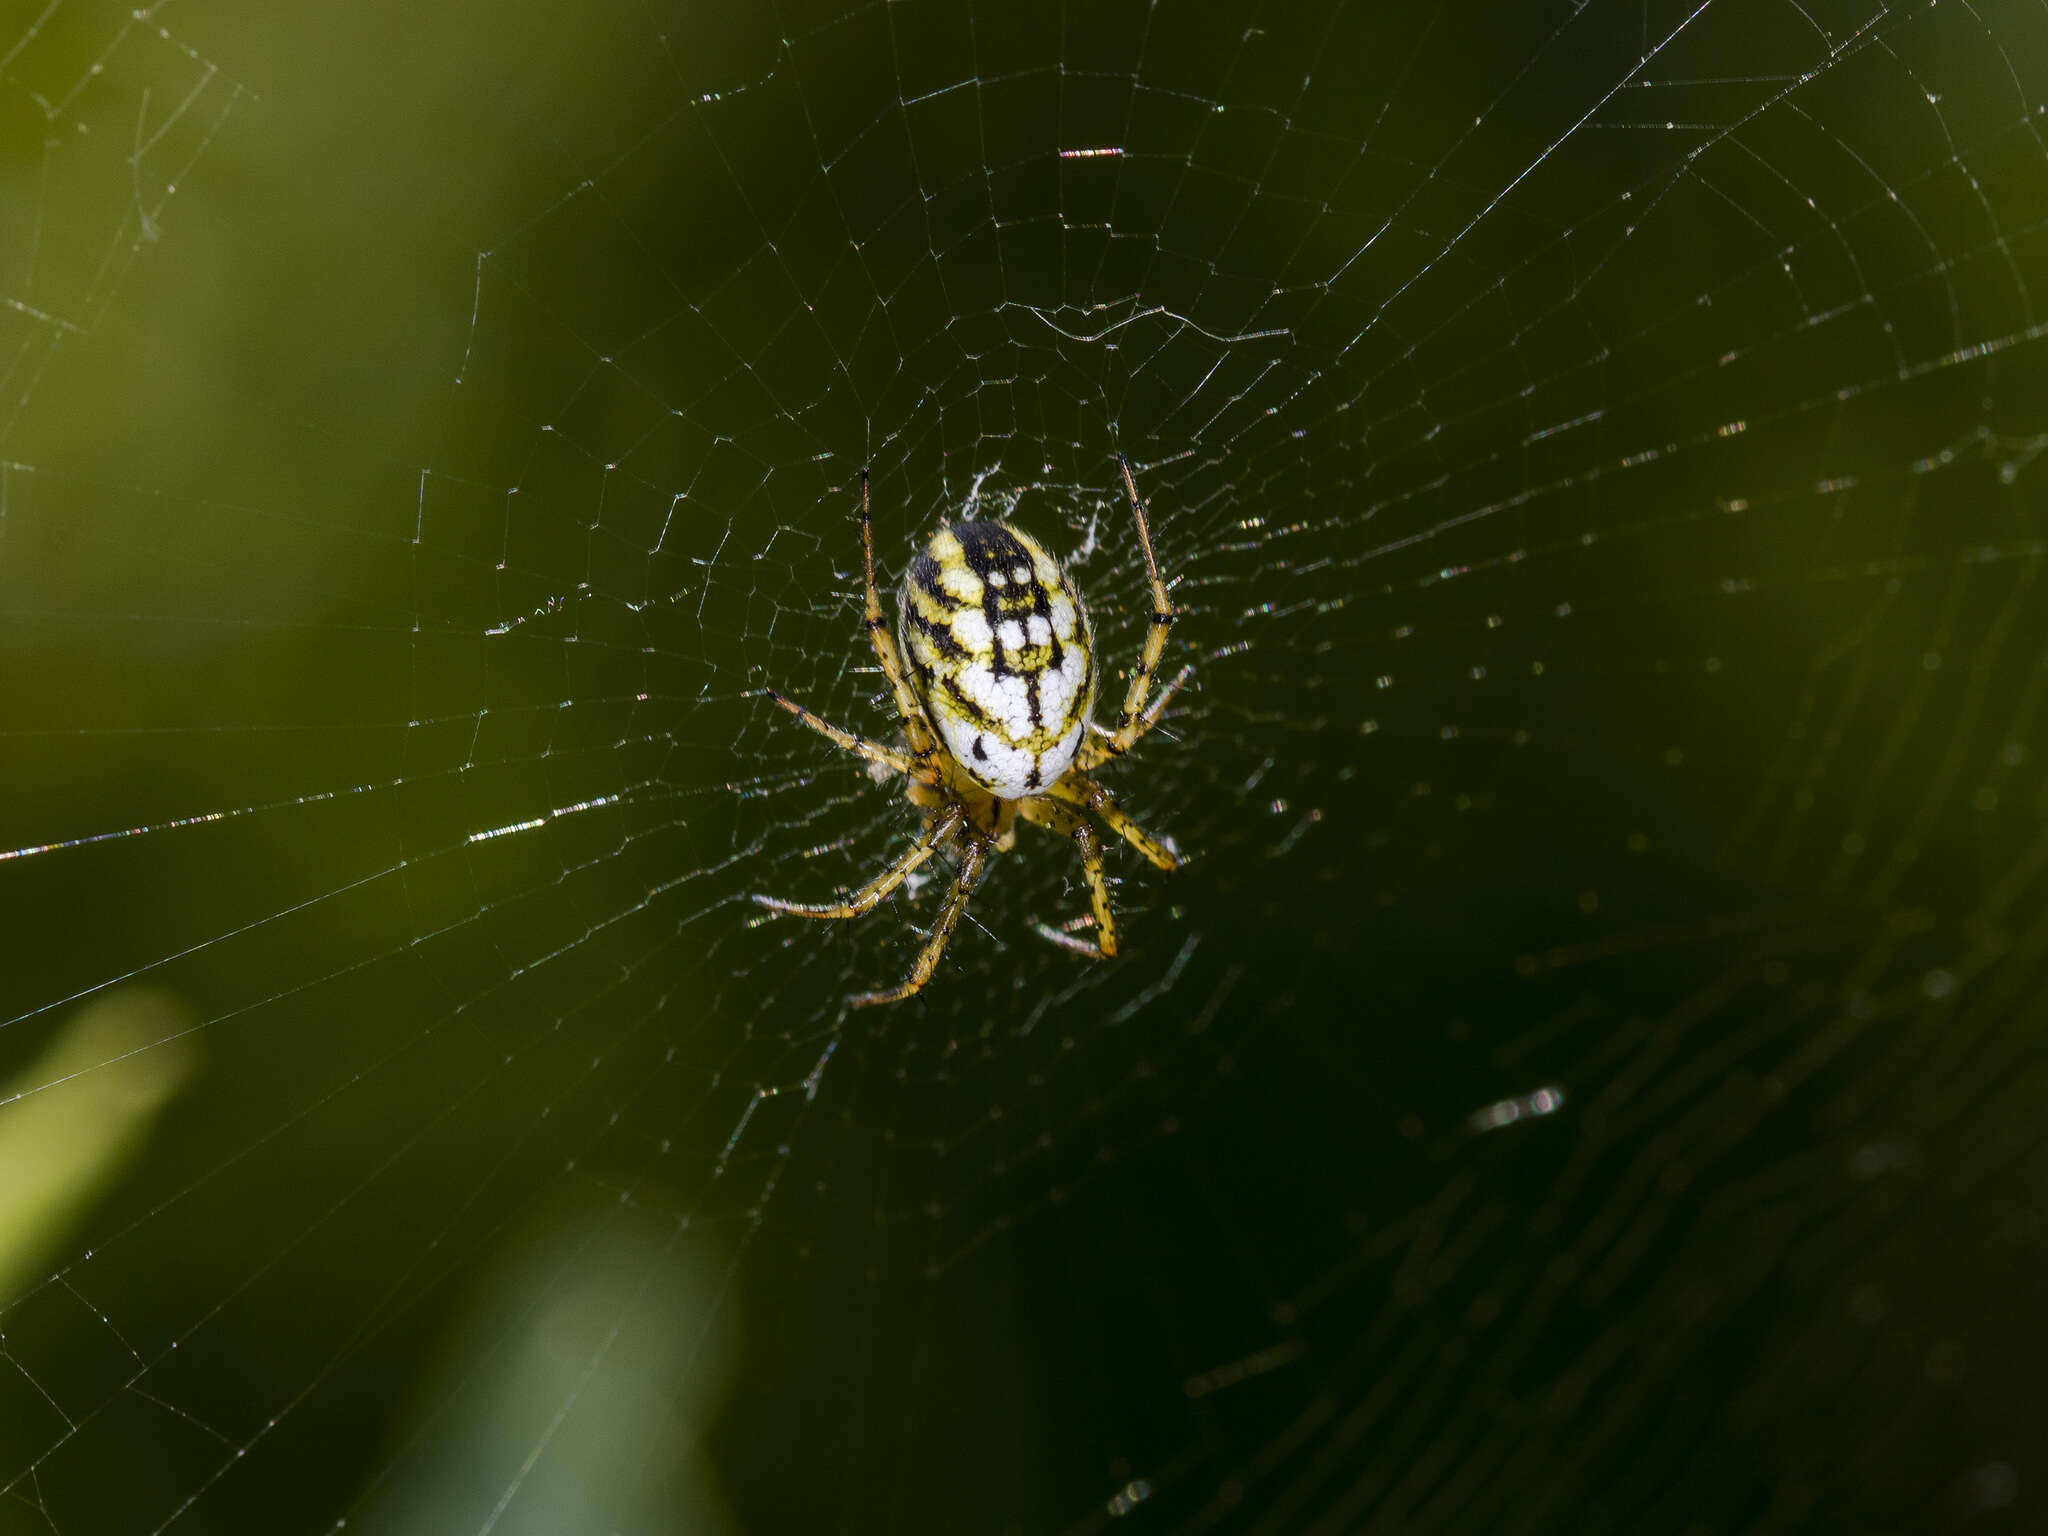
(995, 710)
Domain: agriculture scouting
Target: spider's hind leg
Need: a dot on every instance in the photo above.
(860, 746)
(1100, 748)
(916, 729)
(1133, 719)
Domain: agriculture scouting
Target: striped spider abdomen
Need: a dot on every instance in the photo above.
(1001, 653)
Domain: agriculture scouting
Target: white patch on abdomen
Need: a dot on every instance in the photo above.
(1003, 699)
(970, 629)
(1061, 756)
(960, 584)
(1059, 687)
(1004, 769)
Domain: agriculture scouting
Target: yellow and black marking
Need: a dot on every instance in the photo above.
(1001, 655)
(994, 708)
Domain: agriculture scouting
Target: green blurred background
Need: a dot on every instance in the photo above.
(1587, 1076)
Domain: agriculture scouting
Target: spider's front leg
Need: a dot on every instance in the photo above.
(1083, 793)
(1056, 818)
(863, 900)
(972, 864)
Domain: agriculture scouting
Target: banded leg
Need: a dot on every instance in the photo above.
(1130, 719)
(1085, 794)
(1056, 818)
(1096, 751)
(864, 899)
(971, 865)
(923, 748)
(873, 751)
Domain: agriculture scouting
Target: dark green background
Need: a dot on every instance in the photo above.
(1596, 448)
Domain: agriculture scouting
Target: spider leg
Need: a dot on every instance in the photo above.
(1131, 719)
(864, 899)
(1054, 817)
(971, 865)
(1085, 794)
(873, 751)
(1096, 750)
(923, 747)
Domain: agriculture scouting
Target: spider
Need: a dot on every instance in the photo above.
(995, 710)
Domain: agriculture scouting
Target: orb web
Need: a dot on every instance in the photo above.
(1593, 450)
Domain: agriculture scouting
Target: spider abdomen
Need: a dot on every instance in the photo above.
(1001, 655)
